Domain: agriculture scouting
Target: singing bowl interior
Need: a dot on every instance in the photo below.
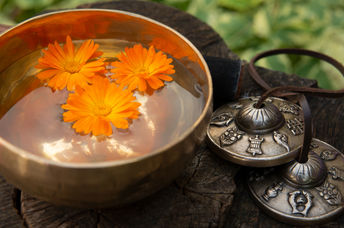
(107, 183)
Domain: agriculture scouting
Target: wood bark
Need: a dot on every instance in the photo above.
(206, 194)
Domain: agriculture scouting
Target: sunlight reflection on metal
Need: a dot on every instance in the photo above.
(85, 148)
(143, 100)
(115, 147)
(52, 149)
(143, 110)
(151, 125)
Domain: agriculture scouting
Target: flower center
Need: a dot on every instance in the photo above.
(142, 72)
(102, 110)
(72, 67)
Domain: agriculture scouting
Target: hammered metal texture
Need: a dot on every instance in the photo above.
(276, 147)
(301, 205)
(103, 184)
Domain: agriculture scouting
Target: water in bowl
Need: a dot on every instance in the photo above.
(31, 115)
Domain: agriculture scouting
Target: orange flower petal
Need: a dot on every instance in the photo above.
(59, 50)
(120, 123)
(77, 65)
(52, 82)
(164, 77)
(69, 47)
(101, 127)
(96, 54)
(84, 125)
(155, 83)
(43, 75)
(142, 85)
(62, 79)
(96, 106)
(139, 68)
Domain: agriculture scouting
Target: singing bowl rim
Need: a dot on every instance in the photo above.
(104, 164)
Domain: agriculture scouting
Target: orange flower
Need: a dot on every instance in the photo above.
(67, 68)
(139, 68)
(94, 107)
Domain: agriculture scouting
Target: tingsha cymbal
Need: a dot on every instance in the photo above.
(302, 193)
(259, 137)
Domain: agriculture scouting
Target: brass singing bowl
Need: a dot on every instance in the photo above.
(109, 183)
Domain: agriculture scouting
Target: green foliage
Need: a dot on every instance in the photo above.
(14, 11)
(238, 5)
(248, 27)
(180, 4)
(251, 26)
(31, 4)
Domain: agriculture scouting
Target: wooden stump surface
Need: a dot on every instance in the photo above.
(210, 192)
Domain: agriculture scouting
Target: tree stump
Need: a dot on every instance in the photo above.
(9, 216)
(205, 195)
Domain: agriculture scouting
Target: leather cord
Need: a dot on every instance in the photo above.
(308, 130)
(253, 72)
(285, 91)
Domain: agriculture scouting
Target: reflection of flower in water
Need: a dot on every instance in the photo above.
(99, 104)
(142, 69)
(76, 26)
(167, 47)
(69, 68)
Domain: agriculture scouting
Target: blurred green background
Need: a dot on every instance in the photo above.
(248, 27)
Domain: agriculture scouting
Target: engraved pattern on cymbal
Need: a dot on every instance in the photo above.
(295, 126)
(330, 193)
(313, 145)
(300, 202)
(290, 108)
(336, 173)
(327, 201)
(328, 155)
(281, 139)
(230, 136)
(255, 145)
(227, 143)
(224, 119)
(273, 191)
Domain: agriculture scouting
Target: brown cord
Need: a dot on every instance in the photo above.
(308, 130)
(253, 72)
(285, 91)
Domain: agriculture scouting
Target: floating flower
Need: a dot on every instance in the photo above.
(95, 106)
(139, 68)
(69, 68)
